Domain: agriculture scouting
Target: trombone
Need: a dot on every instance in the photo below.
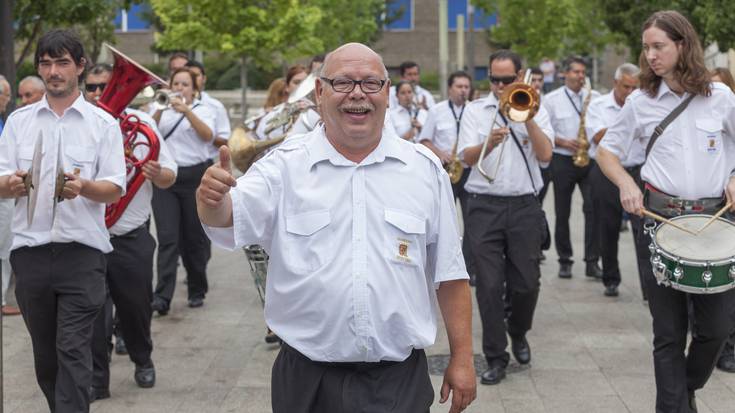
(518, 103)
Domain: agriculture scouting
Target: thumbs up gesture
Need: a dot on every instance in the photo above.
(217, 181)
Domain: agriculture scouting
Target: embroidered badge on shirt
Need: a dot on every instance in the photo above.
(402, 255)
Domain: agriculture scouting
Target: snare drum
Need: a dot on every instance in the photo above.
(698, 264)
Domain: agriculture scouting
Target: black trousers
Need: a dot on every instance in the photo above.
(609, 213)
(462, 194)
(505, 234)
(547, 177)
(299, 385)
(130, 279)
(60, 288)
(566, 177)
(180, 233)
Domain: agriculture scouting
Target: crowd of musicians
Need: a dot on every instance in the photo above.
(357, 212)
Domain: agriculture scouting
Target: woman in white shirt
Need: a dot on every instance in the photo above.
(186, 127)
(407, 117)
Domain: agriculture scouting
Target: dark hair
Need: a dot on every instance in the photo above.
(56, 42)
(178, 55)
(407, 65)
(505, 54)
(456, 75)
(690, 71)
(192, 74)
(536, 71)
(401, 83)
(316, 59)
(725, 75)
(293, 71)
(100, 68)
(197, 64)
(567, 64)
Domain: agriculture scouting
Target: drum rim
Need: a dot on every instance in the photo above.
(688, 261)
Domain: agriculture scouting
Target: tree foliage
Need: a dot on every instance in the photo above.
(551, 28)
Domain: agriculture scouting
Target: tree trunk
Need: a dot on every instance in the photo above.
(244, 85)
(7, 63)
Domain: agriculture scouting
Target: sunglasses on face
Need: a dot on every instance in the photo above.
(506, 80)
(91, 87)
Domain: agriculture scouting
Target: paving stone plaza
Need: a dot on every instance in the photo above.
(590, 353)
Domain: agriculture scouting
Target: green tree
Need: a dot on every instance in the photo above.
(551, 28)
(350, 21)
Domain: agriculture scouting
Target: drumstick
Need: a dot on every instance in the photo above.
(668, 221)
(715, 216)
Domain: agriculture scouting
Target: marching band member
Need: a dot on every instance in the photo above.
(58, 250)
(565, 107)
(407, 118)
(606, 197)
(30, 90)
(130, 264)
(187, 127)
(690, 163)
(440, 133)
(504, 222)
(354, 324)
(409, 72)
(305, 122)
(222, 128)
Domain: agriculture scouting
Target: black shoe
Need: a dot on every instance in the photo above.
(145, 376)
(521, 349)
(96, 393)
(611, 291)
(565, 270)
(593, 270)
(159, 305)
(473, 279)
(120, 347)
(493, 375)
(196, 302)
(692, 401)
(726, 362)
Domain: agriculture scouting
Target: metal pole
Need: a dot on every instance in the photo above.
(443, 46)
(471, 40)
(7, 59)
(460, 42)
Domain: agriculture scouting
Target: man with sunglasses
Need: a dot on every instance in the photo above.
(504, 223)
(565, 106)
(362, 235)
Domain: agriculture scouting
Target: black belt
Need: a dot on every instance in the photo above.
(133, 233)
(355, 366)
(672, 206)
(488, 197)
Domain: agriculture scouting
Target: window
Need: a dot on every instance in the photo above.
(404, 10)
(133, 19)
(482, 21)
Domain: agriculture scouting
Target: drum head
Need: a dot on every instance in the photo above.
(715, 243)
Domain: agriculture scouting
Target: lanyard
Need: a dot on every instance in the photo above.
(574, 105)
(457, 119)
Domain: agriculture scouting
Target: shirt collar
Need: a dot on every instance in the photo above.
(320, 149)
(78, 105)
(611, 102)
(573, 93)
(663, 89)
(490, 101)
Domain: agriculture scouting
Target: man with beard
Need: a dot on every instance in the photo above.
(58, 247)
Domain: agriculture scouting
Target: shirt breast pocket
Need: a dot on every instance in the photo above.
(709, 135)
(405, 237)
(310, 241)
(80, 158)
(25, 157)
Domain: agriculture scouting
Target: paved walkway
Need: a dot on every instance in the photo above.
(590, 353)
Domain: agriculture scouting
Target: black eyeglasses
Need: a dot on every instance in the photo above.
(502, 79)
(347, 85)
(91, 87)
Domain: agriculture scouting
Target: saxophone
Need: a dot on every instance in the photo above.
(581, 158)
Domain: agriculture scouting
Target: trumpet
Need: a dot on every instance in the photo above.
(581, 157)
(518, 103)
(162, 99)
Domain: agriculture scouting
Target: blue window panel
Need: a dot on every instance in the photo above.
(405, 21)
(135, 17)
(482, 21)
(118, 19)
(480, 73)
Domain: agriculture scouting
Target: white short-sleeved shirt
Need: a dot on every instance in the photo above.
(139, 209)
(421, 94)
(441, 123)
(89, 140)
(185, 144)
(401, 117)
(512, 177)
(695, 155)
(564, 114)
(221, 121)
(356, 250)
(600, 115)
